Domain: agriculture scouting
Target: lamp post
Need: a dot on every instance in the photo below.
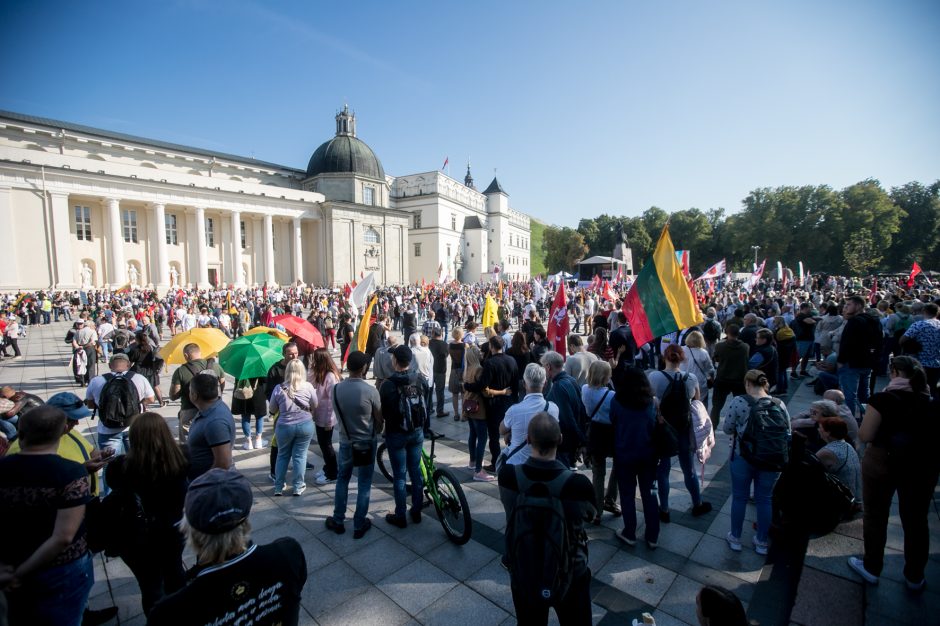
(755, 248)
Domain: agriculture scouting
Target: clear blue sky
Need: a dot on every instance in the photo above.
(583, 107)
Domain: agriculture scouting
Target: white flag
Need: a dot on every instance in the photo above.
(363, 290)
(538, 291)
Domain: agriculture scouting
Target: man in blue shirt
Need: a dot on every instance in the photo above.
(213, 430)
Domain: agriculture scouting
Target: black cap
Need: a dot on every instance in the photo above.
(218, 501)
(402, 354)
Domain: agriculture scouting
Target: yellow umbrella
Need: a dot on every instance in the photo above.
(209, 340)
(274, 332)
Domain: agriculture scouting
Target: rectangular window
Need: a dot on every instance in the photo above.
(244, 236)
(417, 249)
(417, 220)
(210, 232)
(368, 194)
(129, 223)
(448, 251)
(453, 222)
(83, 223)
(172, 235)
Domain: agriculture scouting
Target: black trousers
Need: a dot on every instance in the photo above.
(495, 413)
(157, 565)
(720, 394)
(325, 441)
(573, 608)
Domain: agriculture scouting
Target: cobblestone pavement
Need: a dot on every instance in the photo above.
(416, 576)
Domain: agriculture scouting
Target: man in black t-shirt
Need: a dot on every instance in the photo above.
(260, 584)
(42, 511)
(577, 498)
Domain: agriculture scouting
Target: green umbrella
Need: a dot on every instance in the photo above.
(251, 356)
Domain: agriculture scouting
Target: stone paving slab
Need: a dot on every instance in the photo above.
(416, 576)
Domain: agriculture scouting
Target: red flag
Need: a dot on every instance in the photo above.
(607, 293)
(558, 322)
(347, 290)
(915, 270)
(446, 161)
(873, 293)
(619, 274)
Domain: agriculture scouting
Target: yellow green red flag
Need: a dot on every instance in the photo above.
(489, 312)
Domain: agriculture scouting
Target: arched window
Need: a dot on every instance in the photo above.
(370, 235)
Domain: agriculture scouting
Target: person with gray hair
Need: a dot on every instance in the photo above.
(260, 583)
(564, 392)
(515, 424)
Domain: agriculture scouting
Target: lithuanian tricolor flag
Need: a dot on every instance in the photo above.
(659, 302)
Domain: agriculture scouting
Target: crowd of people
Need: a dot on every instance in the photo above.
(533, 417)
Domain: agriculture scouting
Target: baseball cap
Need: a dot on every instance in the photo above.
(71, 405)
(218, 501)
(356, 361)
(119, 356)
(402, 354)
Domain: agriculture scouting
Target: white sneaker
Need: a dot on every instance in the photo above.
(300, 491)
(259, 443)
(760, 547)
(484, 477)
(323, 480)
(858, 565)
(247, 445)
(733, 542)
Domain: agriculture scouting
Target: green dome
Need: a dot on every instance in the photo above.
(345, 154)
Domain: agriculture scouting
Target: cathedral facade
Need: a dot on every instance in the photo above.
(82, 207)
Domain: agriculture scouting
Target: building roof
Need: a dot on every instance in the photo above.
(495, 187)
(601, 260)
(472, 222)
(345, 154)
(107, 134)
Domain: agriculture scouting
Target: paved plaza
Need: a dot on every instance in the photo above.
(416, 576)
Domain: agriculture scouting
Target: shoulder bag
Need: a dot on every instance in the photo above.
(362, 451)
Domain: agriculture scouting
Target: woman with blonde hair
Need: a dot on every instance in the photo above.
(699, 363)
(474, 411)
(153, 470)
(294, 401)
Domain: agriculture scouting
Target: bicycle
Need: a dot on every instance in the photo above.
(442, 489)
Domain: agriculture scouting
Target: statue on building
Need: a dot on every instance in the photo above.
(87, 274)
(244, 275)
(174, 276)
(133, 276)
(622, 250)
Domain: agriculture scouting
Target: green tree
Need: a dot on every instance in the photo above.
(918, 238)
(536, 249)
(563, 247)
(654, 218)
(866, 208)
(861, 254)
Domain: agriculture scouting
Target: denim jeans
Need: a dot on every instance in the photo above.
(119, 442)
(854, 384)
(246, 425)
(106, 350)
(404, 452)
(363, 490)
(629, 475)
(688, 472)
(476, 441)
(292, 443)
(57, 595)
(742, 473)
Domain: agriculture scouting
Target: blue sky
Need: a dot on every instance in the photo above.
(584, 108)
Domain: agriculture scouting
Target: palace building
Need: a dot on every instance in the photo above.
(82, 207)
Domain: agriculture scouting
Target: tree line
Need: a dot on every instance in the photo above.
(859, 230)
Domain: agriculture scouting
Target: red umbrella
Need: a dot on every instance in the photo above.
(301, 330)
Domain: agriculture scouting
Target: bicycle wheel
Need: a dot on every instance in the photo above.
(454, 512)
(381, 462)
(385, 467)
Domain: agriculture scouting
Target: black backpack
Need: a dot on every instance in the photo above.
(118, 401)
(539, 545)
(765, 442)
(809, 498)
(411, 405)
(675, 405)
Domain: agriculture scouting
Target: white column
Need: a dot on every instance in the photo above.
(9, 270)
(298, 252)
(117, 270)
(268, 249)
(161, 278)
(236, 272)
(202, 269)
(62, 240)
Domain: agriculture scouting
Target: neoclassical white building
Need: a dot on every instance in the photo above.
(85, 207)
